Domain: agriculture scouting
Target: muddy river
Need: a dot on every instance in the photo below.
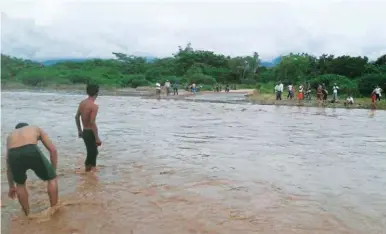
(179, 167)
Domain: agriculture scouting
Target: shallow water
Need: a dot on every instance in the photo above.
(191, 167)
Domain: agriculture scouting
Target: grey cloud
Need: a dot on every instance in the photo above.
(95, 30)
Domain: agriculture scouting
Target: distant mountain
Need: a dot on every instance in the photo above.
(271, 63)
(55, 61)
(51, 62)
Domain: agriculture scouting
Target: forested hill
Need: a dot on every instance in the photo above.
(355, 75)
(50, 62)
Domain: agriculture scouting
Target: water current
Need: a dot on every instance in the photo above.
(176, 167)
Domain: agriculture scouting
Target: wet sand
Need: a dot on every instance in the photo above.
(165, 167)
(149, 199)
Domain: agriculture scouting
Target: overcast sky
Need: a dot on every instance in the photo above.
(45, 29)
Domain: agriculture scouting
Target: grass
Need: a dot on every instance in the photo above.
(270, 99)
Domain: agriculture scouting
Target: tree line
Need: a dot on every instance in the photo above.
(354, 75)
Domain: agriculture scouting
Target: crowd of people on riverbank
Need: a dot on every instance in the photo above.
(304, 93)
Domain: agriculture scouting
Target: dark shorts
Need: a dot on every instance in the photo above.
(325, 96)
(91, 147)
(27, 157)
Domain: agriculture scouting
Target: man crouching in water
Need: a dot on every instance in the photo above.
(23, 154)
(88, 111)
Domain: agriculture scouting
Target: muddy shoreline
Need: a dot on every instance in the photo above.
(149, 93)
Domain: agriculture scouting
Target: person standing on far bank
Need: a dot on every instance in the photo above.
(88, 111)
(158, 89)
(23, 154)
(301, 92)
(335, 89)
(378, 92)
(279, 90)
(167, 87)
(194, 87)
(175, 88)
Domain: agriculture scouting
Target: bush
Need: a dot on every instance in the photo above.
(202, 79)
(366, 83)
(137, 83)
(78, 79)
(345, 84)
(248, 81)
(266, 87)
(267, 76)
(133, 81)
(33, 80)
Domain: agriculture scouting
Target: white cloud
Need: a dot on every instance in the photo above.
(58, 28)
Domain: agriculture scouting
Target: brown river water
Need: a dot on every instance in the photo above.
(179, 167)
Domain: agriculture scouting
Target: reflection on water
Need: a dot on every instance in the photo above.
(192, 167)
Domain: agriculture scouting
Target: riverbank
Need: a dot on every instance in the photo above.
(251, 95)
(269, 99)
(145, 92)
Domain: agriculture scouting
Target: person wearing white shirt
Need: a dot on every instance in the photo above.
(194, 87)
(167, 86)
(349, 101)
(278, 90)
(335, 89)
(377, 92)
(301, 92)
(290, 92)
(281, 87)
(158, 88)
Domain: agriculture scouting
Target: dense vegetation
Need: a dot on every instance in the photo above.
(355, 75)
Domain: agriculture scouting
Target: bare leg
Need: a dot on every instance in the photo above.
(88, 168)
(22, 195)
(52, 190)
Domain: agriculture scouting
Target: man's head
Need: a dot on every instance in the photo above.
(92, 90)
(20, 125)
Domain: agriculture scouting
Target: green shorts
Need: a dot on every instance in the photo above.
(91, 147)
(25, 157)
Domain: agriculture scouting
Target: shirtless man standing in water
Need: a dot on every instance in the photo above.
(88, 110)
(24, 154)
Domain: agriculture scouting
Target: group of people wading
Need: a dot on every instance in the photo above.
(23, 152)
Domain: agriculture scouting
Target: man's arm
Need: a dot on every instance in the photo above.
(94, 127)
(77, 121)
(50, 147)
(9, 172)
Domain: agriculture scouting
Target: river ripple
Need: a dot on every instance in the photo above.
(191, 167)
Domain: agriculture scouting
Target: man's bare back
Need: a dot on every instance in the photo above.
(88, 111)
(23, 154)
(23, 136)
